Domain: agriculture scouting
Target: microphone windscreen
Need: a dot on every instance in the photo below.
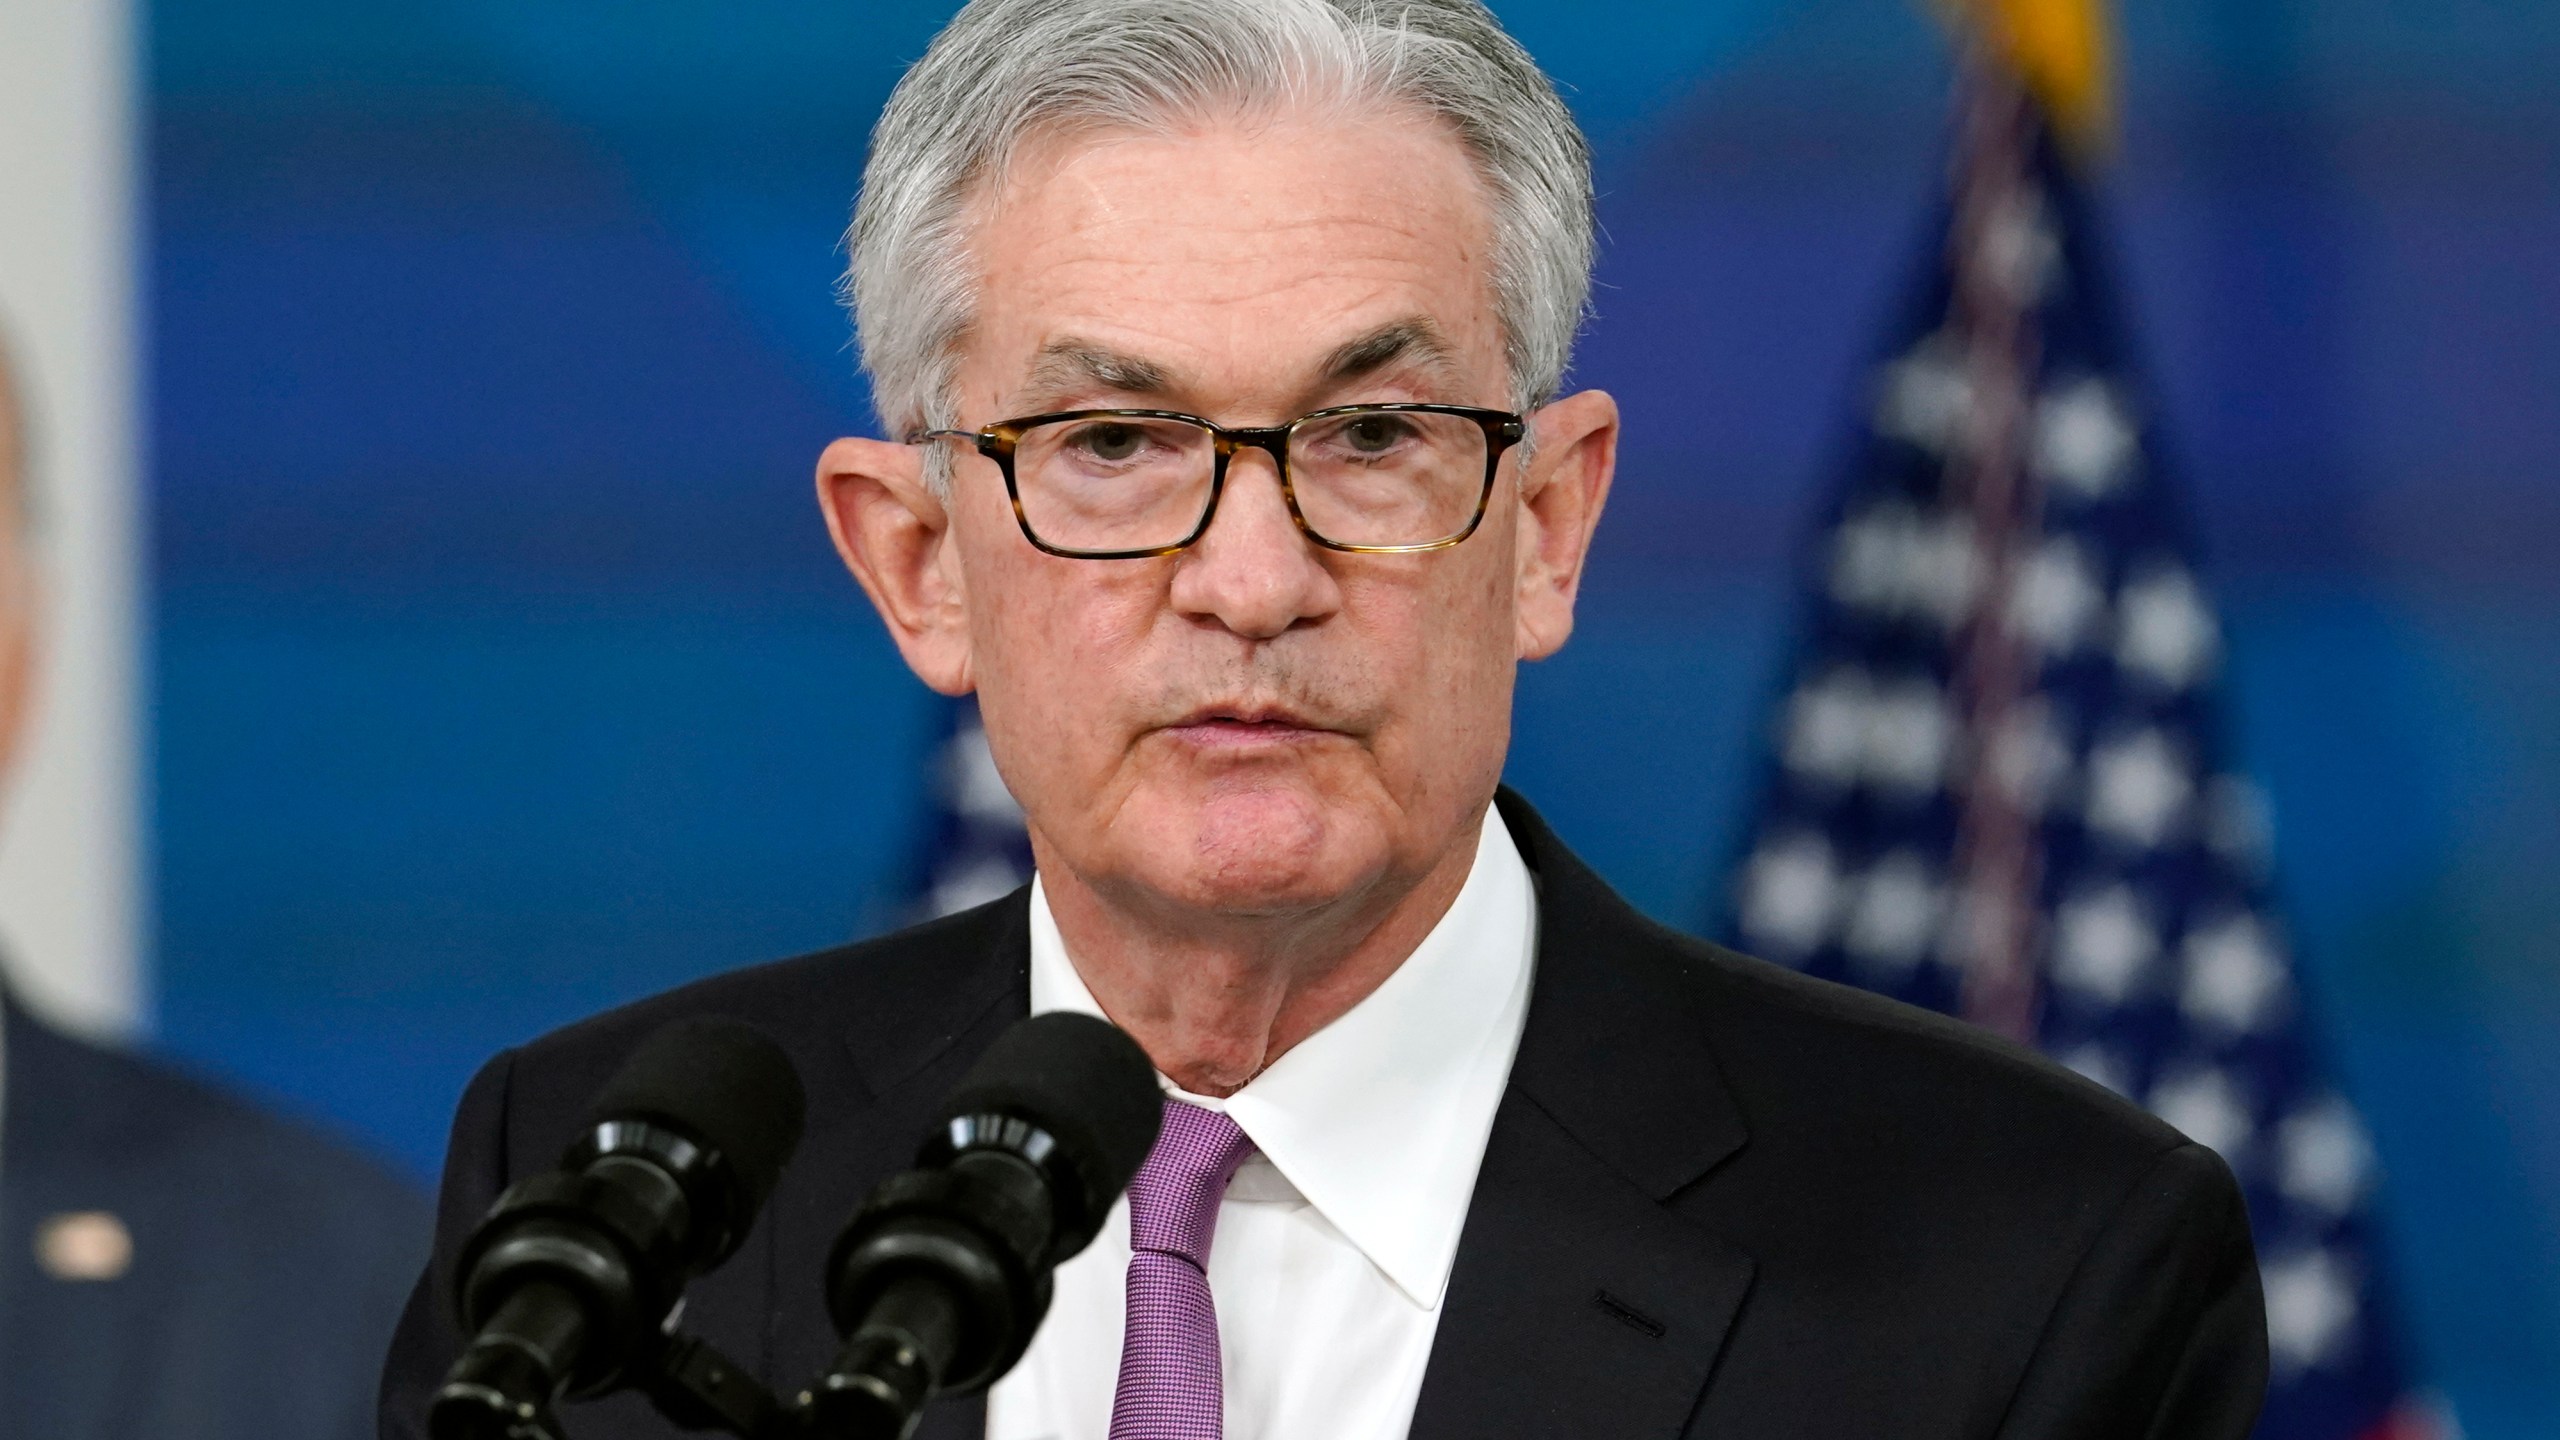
(1085, 1082)
(720, 1083)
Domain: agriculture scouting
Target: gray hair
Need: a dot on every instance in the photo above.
(1004, 71)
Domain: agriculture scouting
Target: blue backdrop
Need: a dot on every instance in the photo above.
(501, 671)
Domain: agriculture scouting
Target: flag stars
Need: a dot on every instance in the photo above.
(2235, 976)
(2204, 1105)
(2311, 1309)
(2165, 633)
(1943, 569)
(2326, 1160)
(1847, 729)
(1927, 396)
(2056, 596)
(1895, 917)
(1827, 729)
(2085, 443)
(1908, 732)
(1790, 893)
(2105, 945)
(2139, 789)
(1894, 561)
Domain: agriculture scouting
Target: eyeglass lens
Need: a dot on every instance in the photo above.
(1374, 477)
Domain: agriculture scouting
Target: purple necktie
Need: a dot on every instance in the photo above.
(1170, 1386)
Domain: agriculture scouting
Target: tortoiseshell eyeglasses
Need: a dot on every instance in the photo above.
(1366, 479)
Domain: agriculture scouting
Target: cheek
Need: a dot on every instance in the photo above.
(1474, 605)
(1479, 669)
(1071, 628)
(1056, 639)
(1450, 636)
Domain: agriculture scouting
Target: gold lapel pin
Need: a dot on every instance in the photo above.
(84, 1245)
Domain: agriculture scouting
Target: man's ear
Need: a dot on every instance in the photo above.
(895, 536)
(1562, 488)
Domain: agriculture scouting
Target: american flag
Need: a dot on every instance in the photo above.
(1999, 786)
(974, 848)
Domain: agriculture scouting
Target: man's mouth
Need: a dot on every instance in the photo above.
(1245, 727)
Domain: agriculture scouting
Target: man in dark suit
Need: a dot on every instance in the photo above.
(179, 1264)
(174, 1264)
(1222, 343)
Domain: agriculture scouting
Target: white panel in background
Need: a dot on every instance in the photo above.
(70, 901)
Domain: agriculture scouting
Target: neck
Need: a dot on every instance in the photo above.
(1215, 999)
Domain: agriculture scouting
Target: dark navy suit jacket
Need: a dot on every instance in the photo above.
(267, 1263)
(1721, 1201)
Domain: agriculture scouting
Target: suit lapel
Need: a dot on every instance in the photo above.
(1582, 1304)
(1579, 1306)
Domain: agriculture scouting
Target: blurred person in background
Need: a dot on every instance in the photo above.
(174, 1263)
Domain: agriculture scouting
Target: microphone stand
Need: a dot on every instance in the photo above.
(698, 1388)
(691, 1383)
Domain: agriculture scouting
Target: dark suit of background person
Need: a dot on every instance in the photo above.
(1720, 1200)
(174, 1263)
(180, 1265)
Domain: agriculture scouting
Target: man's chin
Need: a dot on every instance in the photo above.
(1258, 848)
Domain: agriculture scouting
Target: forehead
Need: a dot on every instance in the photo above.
(1235, 255)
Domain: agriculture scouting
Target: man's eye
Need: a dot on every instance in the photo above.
(1110, 442)
(1375, 434)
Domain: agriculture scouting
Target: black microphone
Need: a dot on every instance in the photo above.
(566, 1286)
(939, 1281)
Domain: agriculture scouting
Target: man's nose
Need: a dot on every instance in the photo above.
(1253, 571)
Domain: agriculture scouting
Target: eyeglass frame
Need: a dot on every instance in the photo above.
(1503, 429)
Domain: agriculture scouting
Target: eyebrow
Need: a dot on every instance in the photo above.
(1068, 366)
(1412, 340)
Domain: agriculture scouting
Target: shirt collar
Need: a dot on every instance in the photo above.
(1380, 1119)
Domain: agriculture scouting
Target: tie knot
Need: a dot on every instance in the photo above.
(1173, 1201)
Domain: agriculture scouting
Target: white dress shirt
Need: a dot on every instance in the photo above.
(1334, 1242)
